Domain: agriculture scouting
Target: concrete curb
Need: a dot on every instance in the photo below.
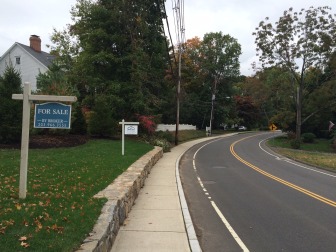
(193, 241)
(121, 195)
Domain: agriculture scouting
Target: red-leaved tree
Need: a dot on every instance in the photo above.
(147, 124)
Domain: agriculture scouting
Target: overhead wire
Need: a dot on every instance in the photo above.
(170, 37)
(178, 12)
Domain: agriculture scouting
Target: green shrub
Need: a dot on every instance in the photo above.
(264, 128)
(295, 144)
(333, 144)
(79, 125)
(101, 123)
(10, 110)
(166, 146)
(324, 134)
(165, 135)
(308, 137)
(291, 135)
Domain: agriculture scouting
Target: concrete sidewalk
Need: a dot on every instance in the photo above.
(159, 219)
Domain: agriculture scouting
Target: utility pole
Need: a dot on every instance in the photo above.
(179, 28)
(213, 97)
(178, 90)
(211, 114)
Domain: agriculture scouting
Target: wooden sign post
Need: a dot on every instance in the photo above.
(128, 128)
(27, 98)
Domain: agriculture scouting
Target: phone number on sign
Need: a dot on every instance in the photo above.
(52, 125)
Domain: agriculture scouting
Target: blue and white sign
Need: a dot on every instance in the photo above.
(52, 115)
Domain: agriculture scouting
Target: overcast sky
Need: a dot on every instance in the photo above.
(238, 18)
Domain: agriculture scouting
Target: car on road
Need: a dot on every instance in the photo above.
(242, 128)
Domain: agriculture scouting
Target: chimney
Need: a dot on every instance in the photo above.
(35, 43)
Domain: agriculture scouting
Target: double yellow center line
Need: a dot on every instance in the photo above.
(298, 188)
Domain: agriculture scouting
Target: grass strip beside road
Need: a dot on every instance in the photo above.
(319, 153)
(59, 211)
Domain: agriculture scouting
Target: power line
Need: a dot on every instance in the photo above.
(170, 37)
(178, 12)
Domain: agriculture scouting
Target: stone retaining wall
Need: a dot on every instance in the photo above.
(121, 195)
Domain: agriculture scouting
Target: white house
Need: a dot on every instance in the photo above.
(28, 60)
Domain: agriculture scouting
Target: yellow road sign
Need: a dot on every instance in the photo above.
(272, 127)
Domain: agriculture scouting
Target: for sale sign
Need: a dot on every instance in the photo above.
(52, 115)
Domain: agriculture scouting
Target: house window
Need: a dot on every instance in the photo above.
(17, 60)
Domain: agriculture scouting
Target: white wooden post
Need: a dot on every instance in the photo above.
(123, 137)
(27, 98)
(24, 141)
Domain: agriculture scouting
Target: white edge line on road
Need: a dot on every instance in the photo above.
(193, 241)
(292, 162)
(228, 226)
(219, 213)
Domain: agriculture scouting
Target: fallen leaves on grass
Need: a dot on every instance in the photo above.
(60, 190)
(23, 240)
(2, 230)
(55, 228)
(18, 206)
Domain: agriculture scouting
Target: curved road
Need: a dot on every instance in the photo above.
(244, 197)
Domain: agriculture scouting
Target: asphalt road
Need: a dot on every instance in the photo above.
(244, 197)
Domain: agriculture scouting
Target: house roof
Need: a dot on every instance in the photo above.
(43, 57)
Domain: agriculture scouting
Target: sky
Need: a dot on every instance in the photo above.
(238, 18)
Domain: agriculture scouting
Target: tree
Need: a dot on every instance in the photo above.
(219, 62)
(79, 125)
(246, 111)
(101, 122)
(298, 41)
(55, 82)
(65, 47)
(318, 104)
(122, 52)
(270, 91)
(116, 49)
(10, 110)
(209, 68)
(194, 95)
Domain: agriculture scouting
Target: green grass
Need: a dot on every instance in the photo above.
(59, 211)
(320, 153)
(187, 135)
(321, 145)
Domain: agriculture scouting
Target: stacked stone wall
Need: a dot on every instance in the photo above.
(120, 195)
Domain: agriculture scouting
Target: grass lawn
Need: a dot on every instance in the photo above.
(187, 135)
(319, 153)
(59, 211)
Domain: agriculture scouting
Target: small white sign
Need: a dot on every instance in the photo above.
(127, 128)
(131, 129)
